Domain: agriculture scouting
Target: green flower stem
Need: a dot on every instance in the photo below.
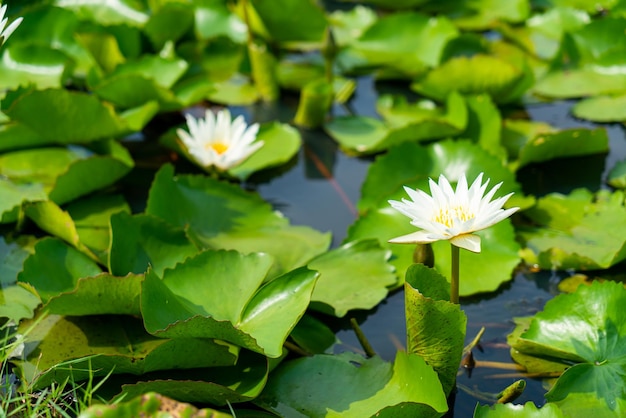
(454, 277)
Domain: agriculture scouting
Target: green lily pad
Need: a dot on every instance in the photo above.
(435, 326)
(617, 176)
(602, 109)
(288, 21)
(33, 64)
(313, 335)
(563, 143)
(216, 294)
(143, 241)
(238, 90)
(18, 301)
(169, 23)
(528, 410)
(217, 385)
(578, 231)
(484, 124)
(407, 41)
(348, 25)
(67, 263)
(280, 144)
(582, 82)
(500, 79)
(405, 122)
(14, 194)
(84, 346)
(91, 217)
(361, 387)
(97, 295)
(103, 12)
(62, 116)
(150, 405)
(213, 19)
(220, 215)
(482, 15)
(353, 276)
(584, 330)
(163, 71)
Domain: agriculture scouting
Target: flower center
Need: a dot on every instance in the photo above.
(218, 146)
(449, 216)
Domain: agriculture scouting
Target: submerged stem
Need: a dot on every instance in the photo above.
(454, 276)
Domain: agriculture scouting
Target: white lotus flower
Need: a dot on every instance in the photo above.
(452, 215)
(5, 31)
(215, 141)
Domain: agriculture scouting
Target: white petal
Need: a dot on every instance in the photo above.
(419, 237)
(469, 242)
(8, 31)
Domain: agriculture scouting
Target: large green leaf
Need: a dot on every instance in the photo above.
(576, 231)
(217, 385)
(143, 241)
(584, 330)
(353, 276)
(602, 109)
(213, 19)
(18, 301)
(169, 23)
(33, 64)
(106, 12)
(484, 14)
(407, 41)
(420, 121)
(68, 265)
(218, 294)
(97, 345)
(288, 21)
(361, 387)
(500, 79)
(13, 194)
(435, 326)
(220, 215)
(62, 116)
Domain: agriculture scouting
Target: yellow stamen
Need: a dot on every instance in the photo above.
(448, 216)
(219, 147)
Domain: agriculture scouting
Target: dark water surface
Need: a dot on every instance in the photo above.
(323, 186)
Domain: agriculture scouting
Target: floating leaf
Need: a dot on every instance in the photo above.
(218, 385)
(12, 195)
(360, 387)
(105, 12)
(435, 326)
(528, 410)
(313, 335)
(33, 64)
(602, 109)
(585, 331)
(617, 175)
(96, 345)
(353, 276)
(18, 301)
(213, 19)
(577, 231)
(221, 215)
(169, 23)
(487, 14)
(501, 80)
(143, 241)
(216, 294)
(62, 116)
(97, 295)
(581, 82)
(68, 266)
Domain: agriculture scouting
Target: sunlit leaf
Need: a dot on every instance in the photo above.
(353, 276)
(213, 19)
(584, 330)
(108, 12)
(218, 294)
(435, 326)
(220, 215)
(143, 241)
(602, 109)
(578, 231)
(18, 301)
(478, 74)
(360, 387)
(169, 23)
(32, 64)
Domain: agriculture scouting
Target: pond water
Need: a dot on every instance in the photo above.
(321, 190)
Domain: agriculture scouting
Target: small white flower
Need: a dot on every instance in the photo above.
(452, 215)
(5, 31)
(215, 141)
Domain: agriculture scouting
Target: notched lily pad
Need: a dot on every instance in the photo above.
(580, 231)
(361, 387)
(218, 294)
(585, 331)
(528, 410)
